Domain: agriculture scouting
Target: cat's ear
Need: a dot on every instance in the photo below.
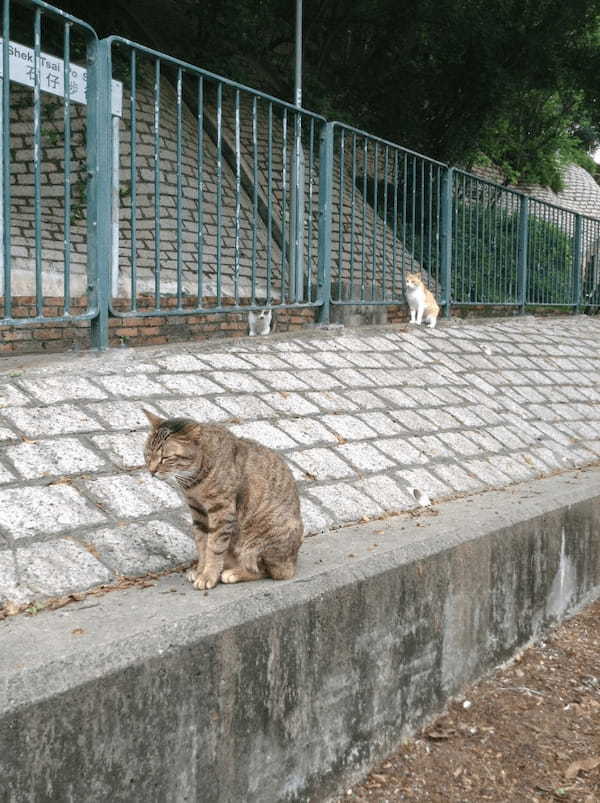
(154, 419)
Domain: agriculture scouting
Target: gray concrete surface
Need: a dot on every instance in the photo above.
(363, 417)
(288, 691)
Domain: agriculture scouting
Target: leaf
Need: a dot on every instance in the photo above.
(438, 735)
(584, 765)
(78, 631)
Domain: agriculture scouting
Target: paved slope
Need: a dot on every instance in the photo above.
(363, 417)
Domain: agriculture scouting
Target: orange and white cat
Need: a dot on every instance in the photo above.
(420, 300)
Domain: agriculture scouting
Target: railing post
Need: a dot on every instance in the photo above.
(99, 222)
(447, 190)
(577, 251)
(523, 235)
(325, 207)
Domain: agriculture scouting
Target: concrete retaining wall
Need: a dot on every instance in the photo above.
(271, 692)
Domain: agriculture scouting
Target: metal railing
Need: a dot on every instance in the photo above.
(164, 189)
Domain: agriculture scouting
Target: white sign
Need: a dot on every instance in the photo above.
(51, 75)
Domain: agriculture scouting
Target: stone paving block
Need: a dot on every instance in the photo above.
(552, 432)
(382, 423)
(365, 399)
(314, 518)
(282, 380)
(132, 386)
(330, 400)
(10, 396)
(387, 493)
(264, 433)
(466, 415)
(137, 549)
(238, 382)
(52, 457)
(201, 410)
(189, 384)
(49, 509)
(306, 430)
(299, 360)
(10, 589)
(319, 380)
(55, 568)
(425, 398)
(352, 378)
(126, 449)
(362, 360)
(454, 476)
(61, 419)
(440, 418)
(290, 403)
(245, 406)
(346, 502)
(414, 421)
(400, 450)
(348, 426)
(63, 388)
(458, 443)
(322, 464)
(185, 363)
(133, 495)
(6, 475)
(487, 472)
(7, 434)
(397, 397)
(120, 414)
(517, 469)
(364, 456)
(431, 447)
(506, 437)
(424, 481)
(485, 441)
(267, 362)
(223, 361)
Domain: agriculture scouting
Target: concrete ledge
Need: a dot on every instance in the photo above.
(282, 691)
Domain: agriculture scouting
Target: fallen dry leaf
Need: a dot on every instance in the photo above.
(78, 631)
(584, 765)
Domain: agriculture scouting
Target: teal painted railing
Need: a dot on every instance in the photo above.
(175, 191)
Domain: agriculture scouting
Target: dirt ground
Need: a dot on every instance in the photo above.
(528, 732)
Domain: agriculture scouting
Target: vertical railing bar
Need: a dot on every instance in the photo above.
(395, 226)
(414, 211)
(133, 175)
(309, 245)
(446, 239)
(577, 260)
(341, 214)
(364, 220)
(325, 201)
(37, 162)
(352, 214)
(178, 188)
(200, 191)
(375, 220)
(219, 188)
(404, 202)
(283, 204)
(6, 141)
(422, 234)
(269, 201)
(297, 223)
(157, 183)
(67, 167)
(238, 179)
(385, 222)
(438, 255)
(254, 194)
(430, 224)
(522, 252)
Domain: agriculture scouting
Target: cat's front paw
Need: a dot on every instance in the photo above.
(206, 579)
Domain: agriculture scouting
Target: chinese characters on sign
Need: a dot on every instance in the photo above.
(51, 75)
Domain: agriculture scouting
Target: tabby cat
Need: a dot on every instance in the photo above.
(242, 496)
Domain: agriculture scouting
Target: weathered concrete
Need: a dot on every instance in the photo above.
(362, 416)
(281, 691)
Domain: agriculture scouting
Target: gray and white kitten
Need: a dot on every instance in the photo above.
(259, 323)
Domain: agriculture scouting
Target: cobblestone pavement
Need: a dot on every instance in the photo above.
(364, 417)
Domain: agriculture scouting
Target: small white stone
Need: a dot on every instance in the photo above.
(467, 704)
